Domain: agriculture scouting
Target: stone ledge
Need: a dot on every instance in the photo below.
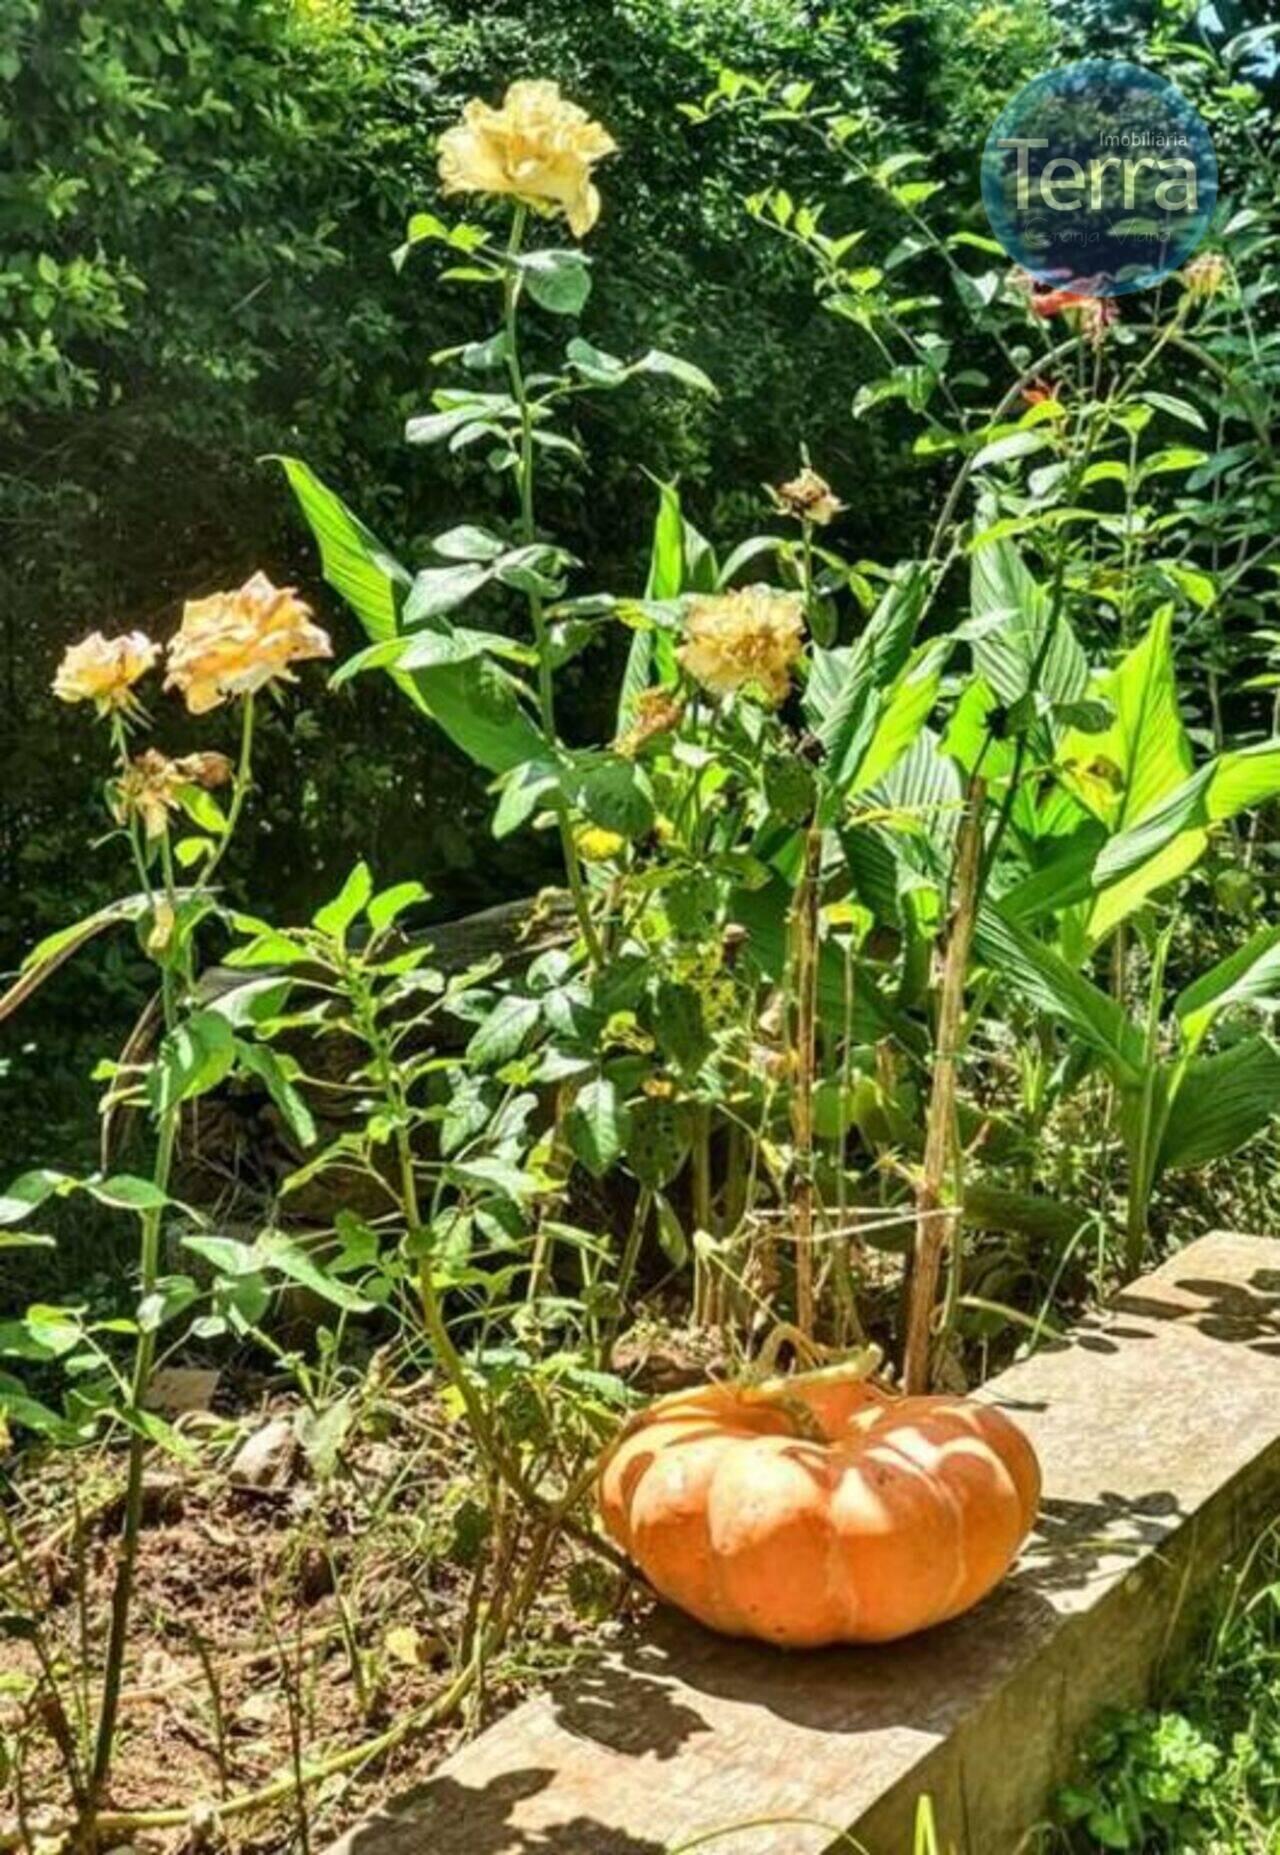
(1158, 1429)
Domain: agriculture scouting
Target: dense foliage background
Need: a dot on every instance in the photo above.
(197, 209)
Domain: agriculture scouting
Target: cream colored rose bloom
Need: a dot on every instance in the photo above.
(751, 636)
(104, 670)
(150, 788)
(234, 643)
(538, 147)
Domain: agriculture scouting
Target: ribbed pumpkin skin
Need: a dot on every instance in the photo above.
(908, 1512)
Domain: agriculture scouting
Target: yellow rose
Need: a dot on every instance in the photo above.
(748, 637)
(233, 643)
(150, 787)
(538, 147)
(104, 670)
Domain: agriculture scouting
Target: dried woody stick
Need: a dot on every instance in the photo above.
(935, 1225)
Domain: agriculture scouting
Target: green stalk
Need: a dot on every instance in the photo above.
(240, 790)
(1147, 1131)
(537, 614)
(126, 1564)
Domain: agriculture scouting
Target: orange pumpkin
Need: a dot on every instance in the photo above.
(819, 1509)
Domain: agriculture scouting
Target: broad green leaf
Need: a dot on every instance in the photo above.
(1009, 626)
(354, 561)
(1250, 975)
(1222, 1102)
(47, 955)
(842, 699)
(907, 707)
(1174, 832)
(468, 542)
(474, 702)
(680, 561)
(524, 789)
(1124, 773)
(125, 1192)
(1041, 976)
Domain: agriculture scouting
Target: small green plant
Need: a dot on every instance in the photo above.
(1200, 1771)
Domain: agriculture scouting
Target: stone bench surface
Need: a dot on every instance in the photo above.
(1157, 1423)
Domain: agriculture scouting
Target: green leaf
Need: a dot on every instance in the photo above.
(48, 954)
(1146, 756)
(558, 280)
(29, 1191)
(276, 1251)
(906, 709)
(438, 590)
(1177, 457)
(1176, 408)
(125, 1192)
(474, 702)
(1045, 980)
(496, 1175)
(658, 361)
(1222, 1102)
(841, 700)
(389, 904)
(505, 1032)
(1250, 975)
(468, 543)
(1011, 614)
(524, 790)
(353, 560)
(680, 561)
(335, 917)
(616, 795)
(596, 1126)
(675, 1246)
(1172, 835)
(276, 1074)
(193, 1059)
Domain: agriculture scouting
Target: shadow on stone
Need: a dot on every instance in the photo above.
(429, 1817)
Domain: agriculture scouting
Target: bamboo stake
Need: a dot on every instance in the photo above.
(935, 1224)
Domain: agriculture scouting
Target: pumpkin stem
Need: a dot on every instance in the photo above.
(780, 1391)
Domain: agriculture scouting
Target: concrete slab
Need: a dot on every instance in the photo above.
(1158, 1428)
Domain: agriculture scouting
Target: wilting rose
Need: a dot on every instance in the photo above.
(809, 498)
(656, 712)
(1205, 276)
(234, 643)
(104, 670)
(150, 788)
(736, 639)
(1093, 315)
(538, 147)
